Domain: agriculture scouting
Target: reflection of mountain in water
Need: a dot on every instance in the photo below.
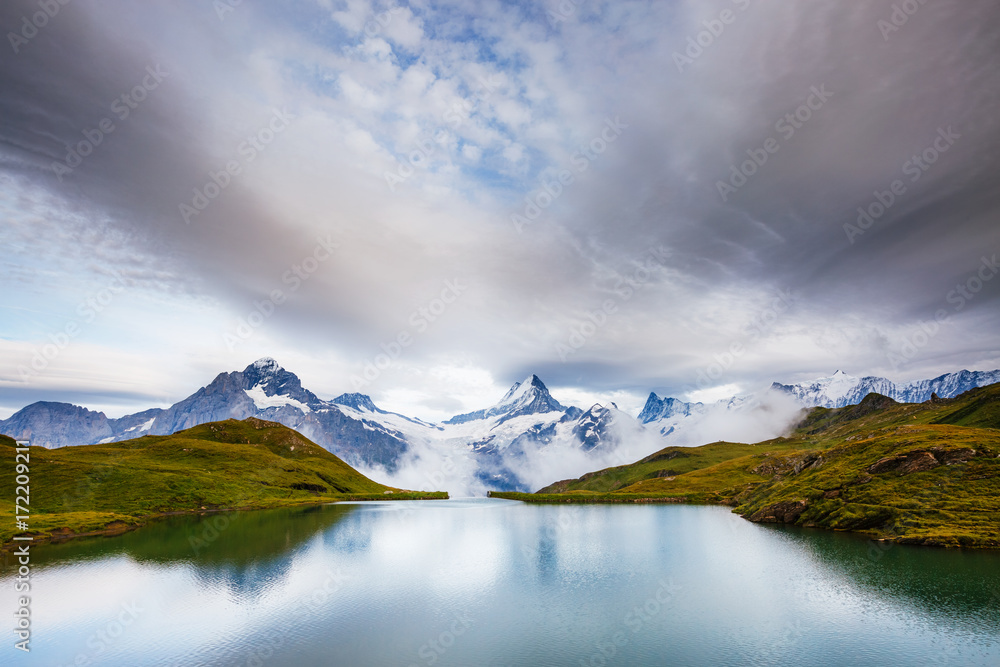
(353, 534)
(244, 552)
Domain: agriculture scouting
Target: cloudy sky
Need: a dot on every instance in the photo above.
(618, 196)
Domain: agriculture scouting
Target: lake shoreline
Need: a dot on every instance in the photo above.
(878, 538)
(122, 524)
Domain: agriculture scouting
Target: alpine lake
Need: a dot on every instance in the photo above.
(497, 583)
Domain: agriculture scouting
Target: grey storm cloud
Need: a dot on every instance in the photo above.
(749, 135)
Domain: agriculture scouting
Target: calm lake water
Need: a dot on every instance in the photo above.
(498, 583)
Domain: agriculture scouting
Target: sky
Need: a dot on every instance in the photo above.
(426, 202)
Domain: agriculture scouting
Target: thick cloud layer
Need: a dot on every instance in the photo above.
(616, 196)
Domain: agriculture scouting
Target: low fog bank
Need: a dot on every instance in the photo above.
(762, 416)
(446, 466)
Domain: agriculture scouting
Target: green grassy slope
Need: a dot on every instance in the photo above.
(668, 462)
(216, 466)
(923, 473)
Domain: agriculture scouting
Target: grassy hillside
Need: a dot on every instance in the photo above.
(924, 473)
(225, 465)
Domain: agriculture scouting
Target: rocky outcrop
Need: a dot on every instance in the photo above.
(786, 511)
(920, 460)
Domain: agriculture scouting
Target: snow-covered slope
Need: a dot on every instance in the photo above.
(841, 389)
(529, 397)
(505, 446)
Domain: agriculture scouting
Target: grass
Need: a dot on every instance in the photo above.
(924, 473)
(219, 466)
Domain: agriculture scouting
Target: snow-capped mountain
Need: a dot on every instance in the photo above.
(668, 413)
(672, 417)
(495, 446)
(657, 408)
(841, 389)
(529, 397)
(595, 427)
(350, 426)
(498, 437)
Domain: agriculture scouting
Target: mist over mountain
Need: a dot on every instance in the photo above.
(525, 440)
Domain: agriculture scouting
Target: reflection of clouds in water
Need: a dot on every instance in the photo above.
(385, 578)
(445, 545)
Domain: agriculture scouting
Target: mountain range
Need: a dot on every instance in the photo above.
(839, 390)
(498, 440)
